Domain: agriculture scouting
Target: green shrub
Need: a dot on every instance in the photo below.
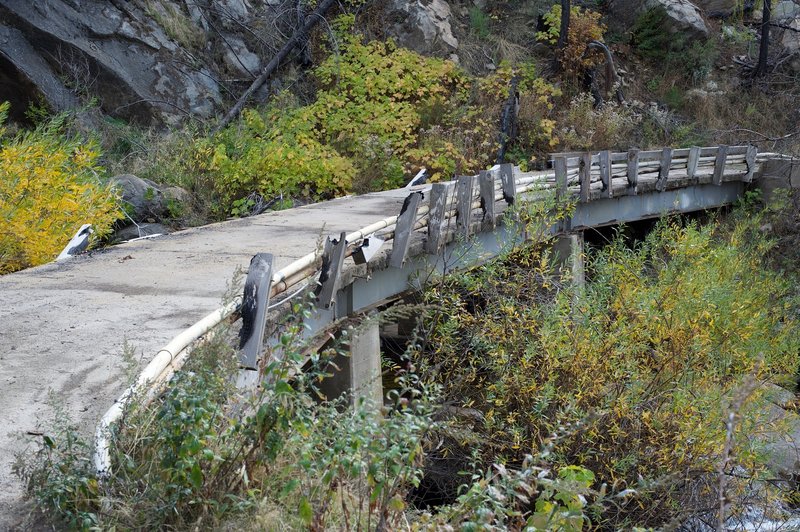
(49, 186)
(628, 377)
(274, 154)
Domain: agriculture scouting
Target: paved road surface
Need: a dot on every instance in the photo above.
(62, 326)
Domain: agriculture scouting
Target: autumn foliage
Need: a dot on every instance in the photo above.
(49, 187)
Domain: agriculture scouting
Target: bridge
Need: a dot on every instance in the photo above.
(65, 323)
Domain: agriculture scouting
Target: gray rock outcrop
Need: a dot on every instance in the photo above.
(421, 25)
(682, 16)
(716, 8)
(142, 198)
(115, 51)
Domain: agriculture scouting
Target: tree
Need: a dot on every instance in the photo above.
(763, 51)
(564, 30)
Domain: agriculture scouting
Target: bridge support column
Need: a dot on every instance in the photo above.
(359, 374)
(568, 250)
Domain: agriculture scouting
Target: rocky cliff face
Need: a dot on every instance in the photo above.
(145, 60)
(159, 61)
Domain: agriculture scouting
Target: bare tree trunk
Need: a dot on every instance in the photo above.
(763, 51)
(564, 30)
(296, 38)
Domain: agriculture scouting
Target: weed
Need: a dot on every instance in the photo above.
(479, 22)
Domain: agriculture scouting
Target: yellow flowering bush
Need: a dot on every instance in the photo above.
(49, 187)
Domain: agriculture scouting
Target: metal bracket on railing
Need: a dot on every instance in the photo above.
(368, 249)
(464, 186)
(255, 303)
(332, 264)
(78, 243)
(403, 229)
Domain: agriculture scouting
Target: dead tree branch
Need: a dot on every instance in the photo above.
(298, 37)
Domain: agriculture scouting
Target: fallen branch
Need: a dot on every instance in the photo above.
(296, 38)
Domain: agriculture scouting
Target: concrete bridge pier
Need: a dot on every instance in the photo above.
(359, 372)
(569, 254)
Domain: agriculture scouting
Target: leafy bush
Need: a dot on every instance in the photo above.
(627, 377)
(203, 454)
(584, 27)
(49, 186)
(273, 154)
(381, 113)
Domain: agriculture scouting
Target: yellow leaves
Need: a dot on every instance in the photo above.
(48, 189)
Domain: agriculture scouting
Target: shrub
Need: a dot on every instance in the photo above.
(626, 378)
(584, 27)
(585, 127)
(49, 186)
(652, 39)
(274, 154)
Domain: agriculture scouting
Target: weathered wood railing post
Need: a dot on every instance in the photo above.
(508, 183)
(750, 161)
(719, 164)
(691, 164)
(464, 187)
(633, 171)
(331, 271)
(560, 167)
(255, 304)
(663, 169)
(605, 172)
(404, 228)
(486, 183)
(437, 216)
(586, 177)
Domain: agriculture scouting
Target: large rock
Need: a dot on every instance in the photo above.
(683, 17)
(142, 198)
(422, 26)
(716, 8)
(115, 51)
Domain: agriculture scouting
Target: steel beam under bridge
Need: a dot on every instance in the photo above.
(624, 209)
(382, 283)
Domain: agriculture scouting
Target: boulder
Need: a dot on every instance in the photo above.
(716, 8)
(422, 26)
(116, 51)
(142, 198)
(239, 59)
(683, 17)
